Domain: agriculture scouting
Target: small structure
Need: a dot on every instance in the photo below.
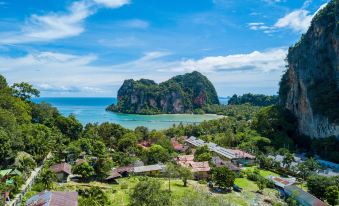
(303, 198)
(200, 170)
(49, 198)
(5, 174)
(222, 163)
(113, 176)
(149, 169)
(124, 171)
(184, 160)
(328, 164)
(178, 147)
(145, 144)
(62, 171)
(281, 182)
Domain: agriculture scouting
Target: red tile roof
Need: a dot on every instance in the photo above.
(62, 167)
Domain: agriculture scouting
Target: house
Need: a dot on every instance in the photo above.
(62, 171)
(184, 160)
(303, 198)
(112, 177)
(178, 147)
(281, 182)
(200, 170)
(124, 171)
(49, 198)
(218, 162)
(149, 169)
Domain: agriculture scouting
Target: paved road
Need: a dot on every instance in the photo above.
(28, 184)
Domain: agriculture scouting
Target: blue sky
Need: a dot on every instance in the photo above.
(88, 47)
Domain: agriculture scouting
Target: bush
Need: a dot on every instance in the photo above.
(124, 185)
(203, 182)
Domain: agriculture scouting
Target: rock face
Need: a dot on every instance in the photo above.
(309, 88)
(180, 94)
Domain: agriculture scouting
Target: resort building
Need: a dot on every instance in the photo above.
(62, 171)
(53, 199)
(200, 170)
(178, 147)
(149, 169)
(281, 182)
(237, 156)
(218, 162)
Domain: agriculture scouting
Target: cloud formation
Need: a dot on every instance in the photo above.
(55, 26)
(298, 20)
(59, 74)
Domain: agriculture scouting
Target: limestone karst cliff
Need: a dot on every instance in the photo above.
(180, 94)
(310, 87)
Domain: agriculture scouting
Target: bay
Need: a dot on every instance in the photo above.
(92, 110)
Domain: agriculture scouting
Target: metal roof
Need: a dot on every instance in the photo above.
(304, 198)
(49, 198)
(148, 168)
(228, 153)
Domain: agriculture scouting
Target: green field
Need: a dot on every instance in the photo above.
(118, 194)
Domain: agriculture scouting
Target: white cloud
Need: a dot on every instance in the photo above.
(58, 74)
(298, 20)
(41, 28)
(135, 24)
(113, 3)
(255, 61)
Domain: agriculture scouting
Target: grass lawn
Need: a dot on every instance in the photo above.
(262, 172)
(118, 194)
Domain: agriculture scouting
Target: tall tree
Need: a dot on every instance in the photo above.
(223, 177)
(25, 91)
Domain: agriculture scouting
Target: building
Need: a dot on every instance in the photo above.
(149, 169)
(62, 171)
(200, 170)
(237, 156)
(329, 165)
(124, 171)
(49, 198)
(113, 175)
(178, 147)
(281, 182)
(218, 162)
(280, 159)
(303, 198)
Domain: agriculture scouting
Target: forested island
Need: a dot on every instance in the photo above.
(188, 93)
(254, 99)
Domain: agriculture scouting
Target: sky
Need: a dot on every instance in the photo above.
(87, 48)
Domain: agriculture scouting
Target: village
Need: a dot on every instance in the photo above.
(249, 176)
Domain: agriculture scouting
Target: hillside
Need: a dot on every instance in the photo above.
(181, 94)
(310, 87)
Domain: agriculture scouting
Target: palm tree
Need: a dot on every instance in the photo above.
(47, 178)
(288, 159)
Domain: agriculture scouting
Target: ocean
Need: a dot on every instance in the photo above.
(92, 110)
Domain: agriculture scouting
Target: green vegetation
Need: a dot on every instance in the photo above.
(181, 94)
(253, 99)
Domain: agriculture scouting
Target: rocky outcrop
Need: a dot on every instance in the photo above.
(180, 94)
(310, 87)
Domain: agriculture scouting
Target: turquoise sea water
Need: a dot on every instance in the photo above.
(93, 110)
